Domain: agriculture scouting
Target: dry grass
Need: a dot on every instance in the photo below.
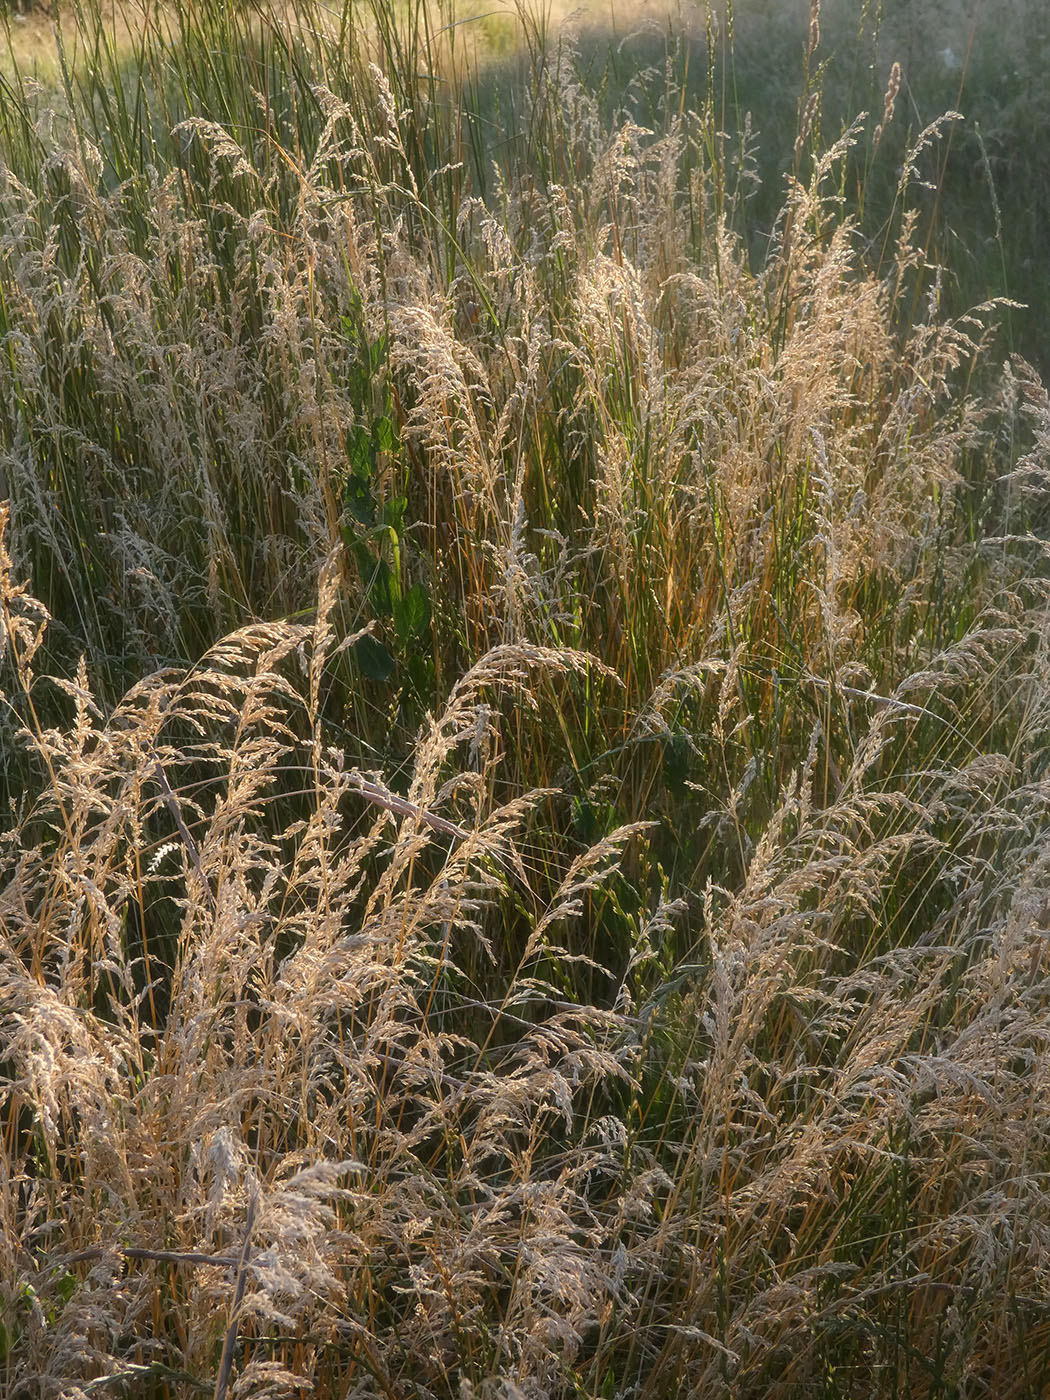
(525, 732)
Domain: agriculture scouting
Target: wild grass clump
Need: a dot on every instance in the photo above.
(525, 736)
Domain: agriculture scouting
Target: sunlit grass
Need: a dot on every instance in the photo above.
(525, 694)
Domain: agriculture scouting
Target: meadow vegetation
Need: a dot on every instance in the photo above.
(526, 712)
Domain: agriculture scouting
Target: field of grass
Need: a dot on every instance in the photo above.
(525, 667)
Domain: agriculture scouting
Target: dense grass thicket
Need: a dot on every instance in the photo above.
(526, 715)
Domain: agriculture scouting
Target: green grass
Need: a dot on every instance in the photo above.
(524, 710)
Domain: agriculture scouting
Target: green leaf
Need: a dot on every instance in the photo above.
(366, 560)
(412, 613)
(383, 588)
(421, 676)
(384, 437)
(376, 353)
(676, 756)
(373, 659)
(359, 500)
(394, 512)
(360, 451)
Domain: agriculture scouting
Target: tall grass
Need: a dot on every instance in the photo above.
(525, 733)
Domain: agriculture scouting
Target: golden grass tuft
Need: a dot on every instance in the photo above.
(525, 728)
